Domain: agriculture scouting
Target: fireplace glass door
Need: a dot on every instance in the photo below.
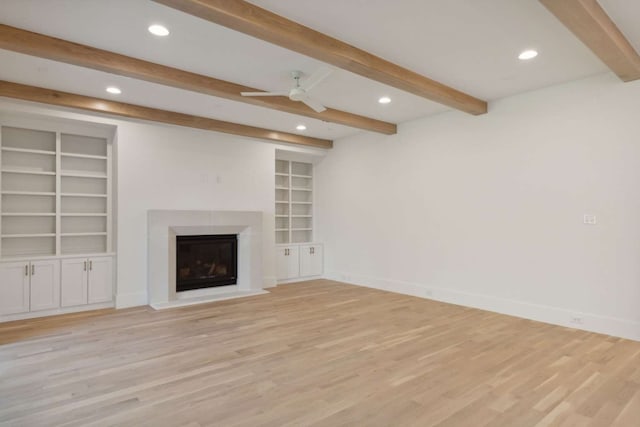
(206, 261)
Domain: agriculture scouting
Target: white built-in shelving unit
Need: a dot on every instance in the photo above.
(55, 190)
(294, 202)
(56, 229)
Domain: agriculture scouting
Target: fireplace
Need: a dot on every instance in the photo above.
(206, 261)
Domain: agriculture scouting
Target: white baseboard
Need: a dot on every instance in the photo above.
(299, 279)
(555, 315)
(131, 300)
(269, 282)
(55, 312)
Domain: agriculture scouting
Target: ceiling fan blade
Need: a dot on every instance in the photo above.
(264, 93)
(316, 78)
(314, 105)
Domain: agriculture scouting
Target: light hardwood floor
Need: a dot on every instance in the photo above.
(317, 353)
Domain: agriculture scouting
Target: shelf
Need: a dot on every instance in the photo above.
(83, 175)
(293, 218)
(84, 214)
(27, 214)
(83, 156)
(27, 193)
(82, 195)
(83, 234)
(14, 236)
(26, 150)
(28, 172)
(55, 194)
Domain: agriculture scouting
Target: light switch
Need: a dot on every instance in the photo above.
(589, 219)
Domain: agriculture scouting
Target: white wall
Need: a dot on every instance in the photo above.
(488, 211)
(162, 167)
(169, 167)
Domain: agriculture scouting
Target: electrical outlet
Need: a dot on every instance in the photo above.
(577, 320)
(589, 219)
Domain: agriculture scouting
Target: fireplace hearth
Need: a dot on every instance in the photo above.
(206, 261)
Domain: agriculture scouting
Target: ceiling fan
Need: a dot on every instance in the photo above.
(300, 92)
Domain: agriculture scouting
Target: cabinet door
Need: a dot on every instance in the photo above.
(310, 260)
(14, 287)
(100, 280)
(74, 281)
(287, 262)
(45, 285)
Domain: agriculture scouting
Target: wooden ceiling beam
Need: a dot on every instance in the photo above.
(247, 18)
(97, 105)
(34, 44)
(591, 24)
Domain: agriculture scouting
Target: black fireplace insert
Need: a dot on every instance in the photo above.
(206, 261)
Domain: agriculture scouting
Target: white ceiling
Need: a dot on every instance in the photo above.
(626, 15)
(469, 44)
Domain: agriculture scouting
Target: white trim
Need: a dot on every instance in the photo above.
(206, 299)
(299, 279)
(55, 311)
(591, 322)
(269, 282)
(131, 300)
(205, 292)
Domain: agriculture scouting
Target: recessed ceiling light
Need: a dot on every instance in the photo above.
(528, 54)
(301, 127)
(384, 100)
(114, 90)
(158, 30)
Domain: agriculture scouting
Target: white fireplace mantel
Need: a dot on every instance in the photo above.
(164, 225)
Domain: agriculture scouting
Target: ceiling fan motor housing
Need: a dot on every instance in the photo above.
(297, 94)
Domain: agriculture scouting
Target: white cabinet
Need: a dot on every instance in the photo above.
(29, 286)
(310, 260)
(74, 281)
(14, 287)
(87, 281)
(288, 262)
(44, 285)
(100, 280)
(55, 214)
(296, 261)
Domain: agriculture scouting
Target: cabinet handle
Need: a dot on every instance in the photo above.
(33, 270)
(286, 252)
(85, 266)
(26, 270)
(90, 265)
(310, 251)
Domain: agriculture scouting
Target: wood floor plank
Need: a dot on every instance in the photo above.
(318, 353)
